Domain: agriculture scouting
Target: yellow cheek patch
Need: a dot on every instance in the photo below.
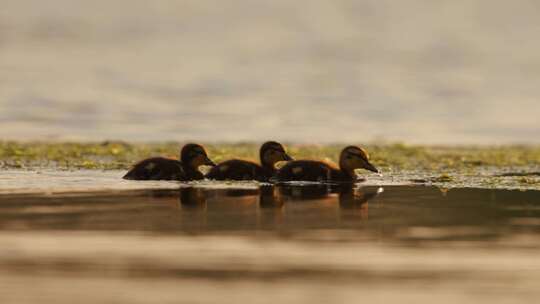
(223, 168)
(297, 170)
(150, 166)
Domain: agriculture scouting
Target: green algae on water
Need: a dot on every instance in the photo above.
(498, 165)
(121, 155)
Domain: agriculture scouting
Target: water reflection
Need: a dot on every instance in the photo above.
(270, 197)
(355, 198)
(405, 213)
(192, 198)
(270, 207)
(275, 196)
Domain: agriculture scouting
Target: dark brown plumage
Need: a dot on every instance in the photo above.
(192, 157)
(351, 158)
(235, 169)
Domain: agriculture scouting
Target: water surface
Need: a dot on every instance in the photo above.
(307, 244)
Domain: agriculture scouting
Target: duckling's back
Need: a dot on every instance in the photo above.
(236, 169)
(156, 168)
(307, 170)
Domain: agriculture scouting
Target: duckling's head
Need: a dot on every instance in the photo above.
(194, 156)
(353, 158)
(272, 152)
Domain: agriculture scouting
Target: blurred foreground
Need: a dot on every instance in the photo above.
(302, 244)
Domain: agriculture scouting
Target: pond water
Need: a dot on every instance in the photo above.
(263, 244)
(452, 72)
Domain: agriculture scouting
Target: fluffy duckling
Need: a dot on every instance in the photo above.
(235, 169)
(192, 157)
(350, 159)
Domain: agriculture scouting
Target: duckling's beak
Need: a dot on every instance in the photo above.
(371, 167)
(286, 157)
(209, 162)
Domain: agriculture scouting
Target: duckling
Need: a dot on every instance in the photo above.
(270, 153)
(192, 157)
(350, 159)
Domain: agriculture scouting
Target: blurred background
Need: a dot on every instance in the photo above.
(418, 71)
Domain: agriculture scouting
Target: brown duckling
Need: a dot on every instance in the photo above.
(350, 159)
(192, 157)
(270, 153)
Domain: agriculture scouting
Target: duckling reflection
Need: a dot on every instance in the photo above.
(356, 200)
(270, 197)
(241, 192)
(229, 199)
(308, 192)
(192, 198)
(166, 197)
(349, 196)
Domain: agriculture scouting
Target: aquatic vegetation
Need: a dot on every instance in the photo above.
(443, 178)
(527, 180)
(449, 166)
(120, 155)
